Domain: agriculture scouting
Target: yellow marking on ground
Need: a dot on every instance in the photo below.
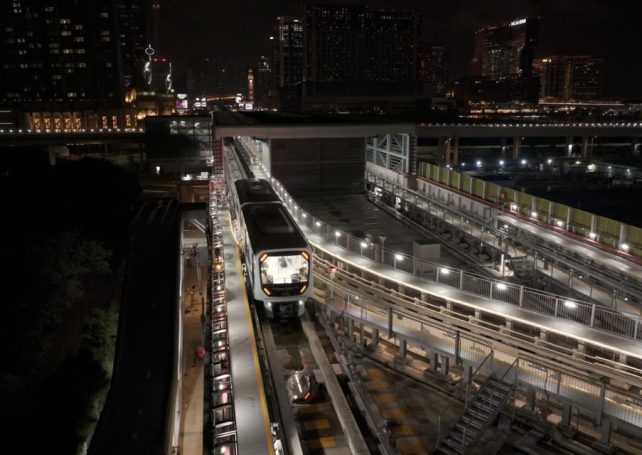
(378, 384)
(412, 448)
(257, 371)
(385, 398)
(319, 424)
(402, 430)
(311, 408)
(322, 443)
(376, 373)
(394, 412)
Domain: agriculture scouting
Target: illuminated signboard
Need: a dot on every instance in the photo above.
(518, 22)
(181, 101)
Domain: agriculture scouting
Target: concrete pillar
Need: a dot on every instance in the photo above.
(351, 329)
(403, 347)
(569, 146)
(517, 145)
(375, 338)
(434, 359)
(530, 399)
(604, 444)
(567, 414)
(444, 149)
(454, 152)
(622, 237)
(445, 365)
(586, 151)
(600, 403)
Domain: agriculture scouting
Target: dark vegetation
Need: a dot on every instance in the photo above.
(65, 239)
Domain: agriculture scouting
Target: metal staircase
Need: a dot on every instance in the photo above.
(480, 414)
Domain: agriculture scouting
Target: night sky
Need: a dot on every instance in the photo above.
(239, 30)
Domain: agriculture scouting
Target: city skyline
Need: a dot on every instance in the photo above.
(600, 31)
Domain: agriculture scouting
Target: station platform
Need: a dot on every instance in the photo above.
(250, 405)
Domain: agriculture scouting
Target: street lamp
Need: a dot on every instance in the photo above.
(397, 257)
(570, 304)
(382, 239)
(337, 234)
(363, 245)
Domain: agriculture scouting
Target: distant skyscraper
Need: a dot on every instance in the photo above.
(571, 77)
(263, 86)
(250, 87)
(433, 69)
(357, 43)
(132, 19)
(504, 54)
(506, 51)
(76, 53)
(288, 51)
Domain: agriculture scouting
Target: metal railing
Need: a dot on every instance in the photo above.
(559, 377)
(585, 313)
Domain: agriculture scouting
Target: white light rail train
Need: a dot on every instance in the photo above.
(278, 257)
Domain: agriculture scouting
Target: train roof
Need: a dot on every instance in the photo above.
(270, 227)
(255, 190)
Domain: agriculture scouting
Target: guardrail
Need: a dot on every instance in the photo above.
(585, 313)
(594, 228)
(222, 424)
(432, 328)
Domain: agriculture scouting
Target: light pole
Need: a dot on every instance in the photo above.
(397, 257)
(382, 239)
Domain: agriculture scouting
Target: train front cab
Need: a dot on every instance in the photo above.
(283, 281)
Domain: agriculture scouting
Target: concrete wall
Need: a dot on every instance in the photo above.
(319, 165)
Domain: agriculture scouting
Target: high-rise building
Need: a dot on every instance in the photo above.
(506, 51)
(59, 51)
(288, 48)
(134, 33)
(263, 87)
(249, 104)
(357, 43)
(576, 77)
(72, 56)
(504, 54)
(288, 51)
(433, 69)
(359, 58)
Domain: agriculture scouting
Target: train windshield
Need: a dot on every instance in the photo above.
(284, 268)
